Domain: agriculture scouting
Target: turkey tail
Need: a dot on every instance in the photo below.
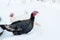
(6, 27)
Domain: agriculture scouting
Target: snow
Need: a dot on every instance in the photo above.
(48, 18)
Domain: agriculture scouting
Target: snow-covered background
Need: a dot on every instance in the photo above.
(48, 18)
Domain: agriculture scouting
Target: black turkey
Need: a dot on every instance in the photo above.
(22, 26)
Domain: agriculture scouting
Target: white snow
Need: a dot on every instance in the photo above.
(48, 18)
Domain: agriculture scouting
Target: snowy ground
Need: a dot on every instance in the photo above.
(48, 18)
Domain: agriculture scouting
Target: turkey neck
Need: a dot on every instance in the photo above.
(32, 17)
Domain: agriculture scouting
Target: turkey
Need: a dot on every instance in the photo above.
(22, 26)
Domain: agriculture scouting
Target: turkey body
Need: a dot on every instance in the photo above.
(22, 27)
